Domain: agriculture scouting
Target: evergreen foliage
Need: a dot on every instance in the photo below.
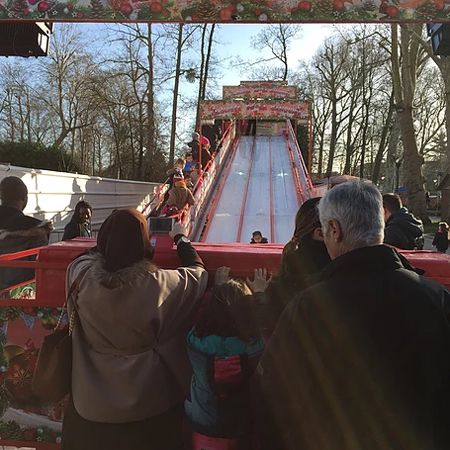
(36, 156)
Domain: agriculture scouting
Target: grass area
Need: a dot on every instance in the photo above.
(431, 228)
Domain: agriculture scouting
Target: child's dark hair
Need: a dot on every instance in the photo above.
(257, 233)
(230, 312)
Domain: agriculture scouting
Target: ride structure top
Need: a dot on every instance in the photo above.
(264, 100)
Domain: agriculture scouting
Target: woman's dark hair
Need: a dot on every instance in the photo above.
(306, 221)
(230, 312)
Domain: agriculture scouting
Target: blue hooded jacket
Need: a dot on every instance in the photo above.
(220, 394)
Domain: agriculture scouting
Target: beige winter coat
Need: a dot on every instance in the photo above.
(179, 196)
(129, 354)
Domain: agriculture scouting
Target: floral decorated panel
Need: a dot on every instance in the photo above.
(298, 11)
(260, 110)
(265, 92)
(23, 416)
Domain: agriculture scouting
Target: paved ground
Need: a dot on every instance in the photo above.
(428, 241)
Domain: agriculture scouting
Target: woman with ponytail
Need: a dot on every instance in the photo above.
(302, 257)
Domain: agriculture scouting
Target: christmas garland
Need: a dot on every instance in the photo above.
(13, 431)
(229, 10)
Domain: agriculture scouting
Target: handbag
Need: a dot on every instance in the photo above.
(53, 375)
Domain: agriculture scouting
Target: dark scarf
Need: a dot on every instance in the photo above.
(123, 240)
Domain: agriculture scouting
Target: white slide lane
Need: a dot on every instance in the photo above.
(224, 224)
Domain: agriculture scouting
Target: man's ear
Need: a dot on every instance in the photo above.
(335, 230)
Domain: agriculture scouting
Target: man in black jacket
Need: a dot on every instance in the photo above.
(80, 223)
(361, 360)
(403, 230)
(18, 232)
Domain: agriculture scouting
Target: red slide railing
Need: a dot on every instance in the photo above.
(215, 200)
(301, 173)
(201, 188)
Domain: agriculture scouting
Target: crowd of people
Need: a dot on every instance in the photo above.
(183, 177)
(346, 347)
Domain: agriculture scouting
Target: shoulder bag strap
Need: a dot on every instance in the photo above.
(74, 287)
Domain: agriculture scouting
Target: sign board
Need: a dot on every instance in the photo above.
(258, 91)
(260, 110)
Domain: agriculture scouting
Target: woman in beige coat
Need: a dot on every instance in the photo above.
(131, 371)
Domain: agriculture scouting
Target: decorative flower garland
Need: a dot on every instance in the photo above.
(230, 11)
(13, 431)
(19, 376)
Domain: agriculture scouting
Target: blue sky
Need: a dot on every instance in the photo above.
(239, 38)
(235, 39)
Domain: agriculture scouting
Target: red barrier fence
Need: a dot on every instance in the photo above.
(26, 421)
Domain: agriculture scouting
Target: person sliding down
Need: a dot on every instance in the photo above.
(257, 238)
(179, 196)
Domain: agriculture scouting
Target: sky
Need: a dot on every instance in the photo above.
(233, 40)
(237, 40)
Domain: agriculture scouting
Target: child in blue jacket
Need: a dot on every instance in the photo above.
(224, 348)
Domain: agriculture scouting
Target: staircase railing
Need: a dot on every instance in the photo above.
(188, 214)
(302, 174)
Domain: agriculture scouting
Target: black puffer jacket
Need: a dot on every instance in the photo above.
(404, 231)
(19, 232)
(361, 360)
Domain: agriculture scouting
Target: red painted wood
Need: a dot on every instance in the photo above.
(242, 258)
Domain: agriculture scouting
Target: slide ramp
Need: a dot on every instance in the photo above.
(259, 192)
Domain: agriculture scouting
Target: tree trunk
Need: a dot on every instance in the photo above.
(202, 69)
(333, 137)
(404, 81)
(208, 58)
(349, 147)
(284, 57)
(175, 96)
(382, 145)
(151, 99)
(389, 183)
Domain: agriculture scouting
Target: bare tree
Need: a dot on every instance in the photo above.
(65, 77)
(277, 38)
(404, 76)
